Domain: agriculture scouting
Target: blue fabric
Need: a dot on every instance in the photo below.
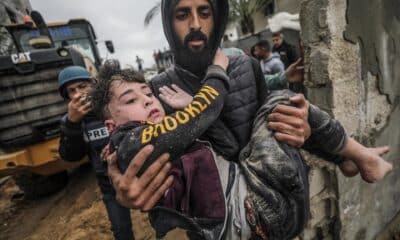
(119, 216)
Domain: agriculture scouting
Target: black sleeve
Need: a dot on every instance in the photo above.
(72, 145)
(328, 136)
(218, 134)
(262, 89)
(178, 130)
(292, 54)
(222, 140)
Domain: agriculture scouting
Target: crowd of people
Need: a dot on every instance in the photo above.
(278, 62)
(163, 59)
(206, 146)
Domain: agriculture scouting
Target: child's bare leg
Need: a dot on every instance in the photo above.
(348, 168)
(371, 165)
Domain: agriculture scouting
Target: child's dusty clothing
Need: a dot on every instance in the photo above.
(277, 188)
(278, 199)
(196, 190)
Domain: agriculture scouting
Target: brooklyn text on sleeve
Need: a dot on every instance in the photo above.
(200, 102)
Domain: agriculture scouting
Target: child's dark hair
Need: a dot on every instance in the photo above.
(110, 73)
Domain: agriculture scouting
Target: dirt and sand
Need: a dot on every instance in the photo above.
(75, 213)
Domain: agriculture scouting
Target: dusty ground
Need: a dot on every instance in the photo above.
(75, 213)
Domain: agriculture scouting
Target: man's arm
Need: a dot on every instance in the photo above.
(144, 191)
(296, 120)
(276, 81)
(140, 192)
(279, 81)
(72, 145)
(292, 54)
(224, 142)
(277, 66)
(178, 130)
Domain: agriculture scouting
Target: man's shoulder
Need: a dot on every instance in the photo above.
(239, 62)
(162, 79)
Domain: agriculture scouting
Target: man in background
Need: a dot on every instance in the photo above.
(270, 62)
(286, 51)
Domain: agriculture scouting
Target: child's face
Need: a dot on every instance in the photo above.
(132, 101)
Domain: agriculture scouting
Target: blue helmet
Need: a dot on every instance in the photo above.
(71, 74)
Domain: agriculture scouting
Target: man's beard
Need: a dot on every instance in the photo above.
(193, 60)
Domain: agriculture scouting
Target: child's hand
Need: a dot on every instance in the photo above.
(295, 72)
(221, 59)
(175, 97)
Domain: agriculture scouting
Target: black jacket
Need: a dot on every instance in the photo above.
(287, 52)
(246, 94)
(180, 128)
(88, 137)
(277, 178)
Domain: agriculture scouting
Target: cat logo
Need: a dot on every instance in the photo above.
(21, 57)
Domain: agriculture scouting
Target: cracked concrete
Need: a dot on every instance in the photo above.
(352, 49)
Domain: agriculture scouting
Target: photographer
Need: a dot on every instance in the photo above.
(82, 133)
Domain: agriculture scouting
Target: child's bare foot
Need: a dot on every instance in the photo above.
(348, 168)
(373, 167)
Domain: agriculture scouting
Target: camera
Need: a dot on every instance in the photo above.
(86, 98)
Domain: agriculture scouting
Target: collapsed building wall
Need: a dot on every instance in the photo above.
(352, 58)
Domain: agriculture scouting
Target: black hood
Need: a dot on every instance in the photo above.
(191, 62)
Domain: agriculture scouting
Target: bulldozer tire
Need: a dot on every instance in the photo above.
(36, 186)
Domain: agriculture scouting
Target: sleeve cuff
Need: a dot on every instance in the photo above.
(215, 71)
(72, 125)
(328, 132)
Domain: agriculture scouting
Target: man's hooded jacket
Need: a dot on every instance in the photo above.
(246, 94)
(247, 91)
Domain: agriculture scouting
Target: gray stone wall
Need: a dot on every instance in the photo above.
(290, 6)
(357, 80)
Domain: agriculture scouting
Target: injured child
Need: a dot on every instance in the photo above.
(262, 194)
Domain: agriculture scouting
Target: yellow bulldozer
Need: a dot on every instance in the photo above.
(30, 104)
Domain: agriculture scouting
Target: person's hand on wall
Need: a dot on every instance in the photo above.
(291, 123)
(220, 59)
(140, 192)
(295, 72)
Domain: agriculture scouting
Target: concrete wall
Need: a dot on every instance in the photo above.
(357, 80)
(261, 21)
(290, 6)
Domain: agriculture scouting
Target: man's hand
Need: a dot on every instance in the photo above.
(78, 107)
(140, 192)
(291, 123)
(175, 97)
(295, 73)
(220, 59)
